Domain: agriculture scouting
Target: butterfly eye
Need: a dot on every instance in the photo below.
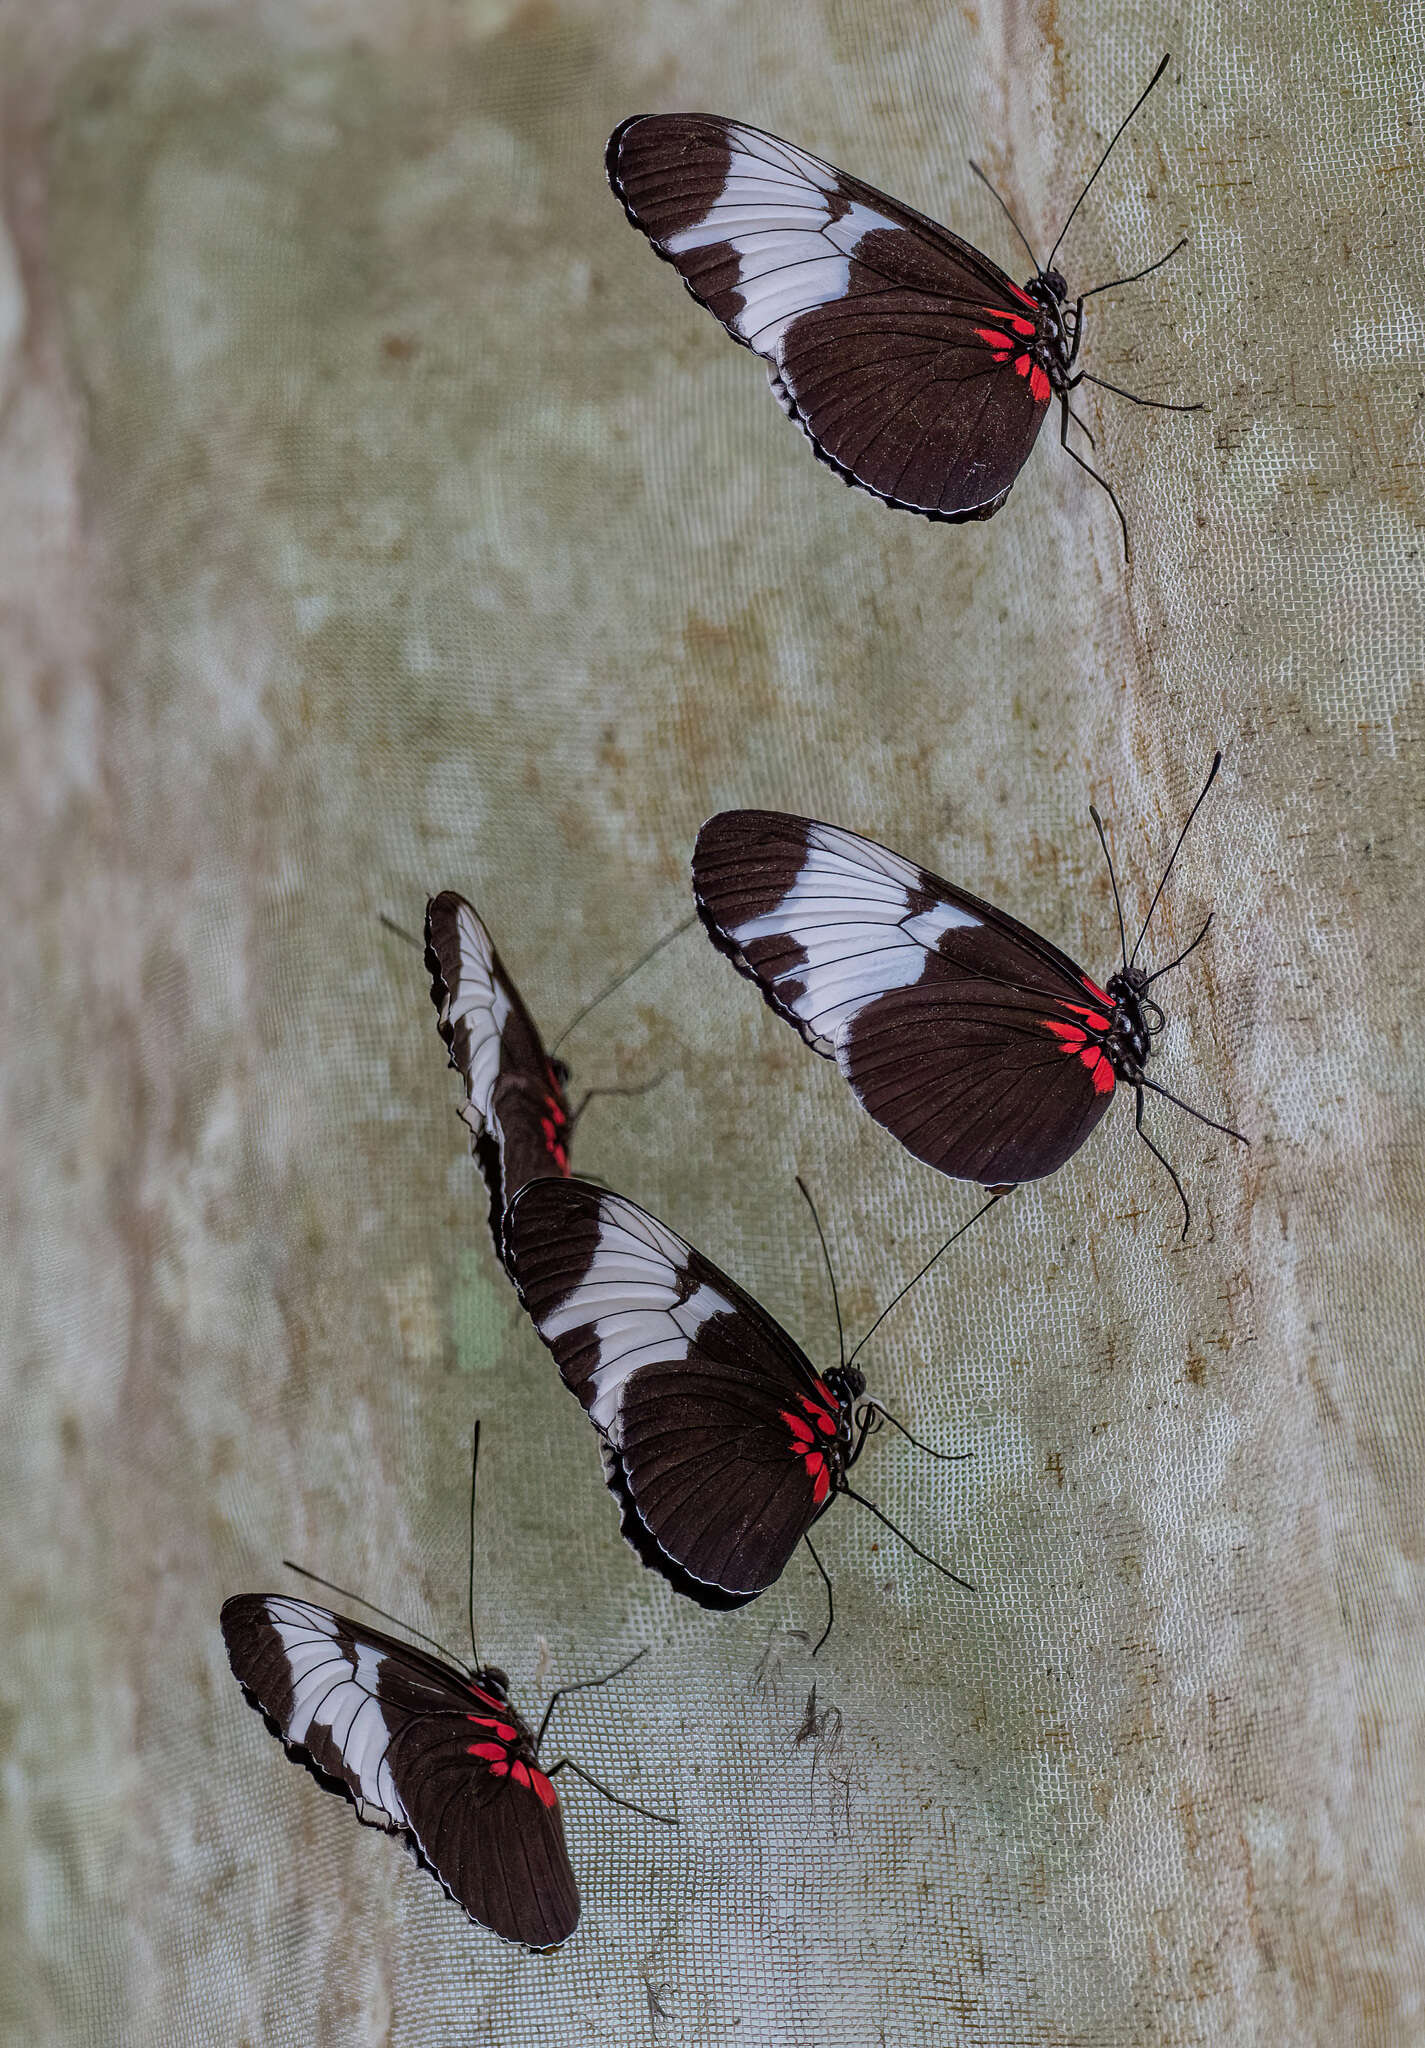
(1056, 283)
(493, 1680)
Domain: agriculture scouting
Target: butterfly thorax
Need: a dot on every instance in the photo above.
(1052, 346)
(848, 1385)
(1129, 1039)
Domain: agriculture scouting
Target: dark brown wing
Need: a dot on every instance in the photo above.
(722, 1436)
(420, 1750)
(515, 1105)
(903, 353)
(973, 1040)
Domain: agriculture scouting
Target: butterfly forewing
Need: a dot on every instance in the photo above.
(971, 1038)
(421, 1750)
(515, 1104)
(903, 353)
(719, 1434)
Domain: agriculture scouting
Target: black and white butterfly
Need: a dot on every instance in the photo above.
(515, 1107)
(916, 367)
(421, 1749)
(722, 1443)
(432, 1753)
(986, 1050)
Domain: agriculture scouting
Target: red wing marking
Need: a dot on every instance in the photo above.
(553, 1124)
(1076, 1042)
(1094, 1023)
(803, 1444)
(1039, 385)
(492, 1752)
(502, 1728)
(543, 1789)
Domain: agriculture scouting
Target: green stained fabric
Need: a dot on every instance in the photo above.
(380, 516)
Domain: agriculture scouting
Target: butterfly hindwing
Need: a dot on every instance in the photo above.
(972, 1039)
(902, 352)
(714, 1420)
(515, 1106)
(421, 1750)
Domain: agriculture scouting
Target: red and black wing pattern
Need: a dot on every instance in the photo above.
(902, 353)
(974, 1041)
(515, 1104)
(420, 1750)
(720, 1440)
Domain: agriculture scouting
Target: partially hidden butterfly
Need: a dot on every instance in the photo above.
(915, 366)
(515, 1104)
(986, 1050)
(722, 1443)
(430, 1753)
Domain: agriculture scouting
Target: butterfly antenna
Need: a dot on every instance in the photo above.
(1113, 881)
(1159, 972)
(916, 1278)
(1004, 204)
(1211, 777)
(885, 1520)
(627, 975)
(1106, 155)
(830, 1273)
(398, 930)
(371, 1607)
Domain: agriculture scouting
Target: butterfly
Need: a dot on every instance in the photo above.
(427, 1751)
(423, 1750)
(722, 1443)
(515, 1107)
(986, 1050)
(914, 365)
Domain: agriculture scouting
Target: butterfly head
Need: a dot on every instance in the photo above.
(561, 1072)
(491, 1680)
(848, 1384)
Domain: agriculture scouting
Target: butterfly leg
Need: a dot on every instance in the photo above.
(591, 1094)
(584, 1685)
(830, 1597)
(567, 1763)
(398, 930)
(1088, 467)
(1167, 1168)
(1078, 333)
(1083, 427)
(1136, 398)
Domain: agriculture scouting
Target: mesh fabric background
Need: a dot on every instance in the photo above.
(378, 516)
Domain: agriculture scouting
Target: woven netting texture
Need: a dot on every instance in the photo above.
(379, 515)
